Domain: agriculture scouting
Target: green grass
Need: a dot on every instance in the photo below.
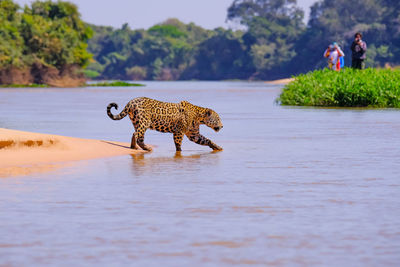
(379, 88)
(91, 74)
(114, 83)
(33, 85)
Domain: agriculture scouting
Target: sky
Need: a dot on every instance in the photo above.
(208, 14)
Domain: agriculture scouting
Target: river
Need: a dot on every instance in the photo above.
(294, 186)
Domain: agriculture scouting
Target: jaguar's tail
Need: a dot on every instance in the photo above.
(120, 116)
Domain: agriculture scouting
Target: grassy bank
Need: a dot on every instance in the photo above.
(114, 83)
(348, 88)
(101, 84)
(34, 85)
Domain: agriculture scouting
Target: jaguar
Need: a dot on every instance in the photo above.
(180, 119)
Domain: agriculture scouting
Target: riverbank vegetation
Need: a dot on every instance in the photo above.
(114, 84)
(33, 85)
(92, 84)
(378, 88)
(47, 43)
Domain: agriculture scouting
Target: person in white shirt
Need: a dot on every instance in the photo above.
(333, 53)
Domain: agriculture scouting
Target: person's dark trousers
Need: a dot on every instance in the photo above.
(358, 64)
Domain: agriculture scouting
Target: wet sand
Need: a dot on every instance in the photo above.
(24, 153)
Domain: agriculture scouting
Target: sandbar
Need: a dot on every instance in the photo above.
(281, 81)
(23, 153)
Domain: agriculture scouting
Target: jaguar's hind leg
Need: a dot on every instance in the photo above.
(133, 142)
(178, 141)
(135, 123)
(139, 136)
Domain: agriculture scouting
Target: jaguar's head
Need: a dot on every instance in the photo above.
(212, 120)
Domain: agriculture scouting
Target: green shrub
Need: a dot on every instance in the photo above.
(348, 88)
(115, 83)
(91, 74)
(33, 85)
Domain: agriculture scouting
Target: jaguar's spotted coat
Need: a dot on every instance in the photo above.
(178, 118)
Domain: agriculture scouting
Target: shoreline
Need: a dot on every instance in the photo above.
(122, 84)
(280, 81)
(94, 84)
(23, 153)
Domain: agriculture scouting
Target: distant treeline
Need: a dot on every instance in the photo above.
(273, 41)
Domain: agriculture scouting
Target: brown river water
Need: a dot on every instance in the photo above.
(294, 186)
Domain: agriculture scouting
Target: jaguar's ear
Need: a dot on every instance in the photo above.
(208, 112)
(184, 103)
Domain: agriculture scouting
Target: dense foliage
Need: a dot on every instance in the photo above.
(163, 52)
(47, 32)
(44, 35)
(273, 28)
(349, 88)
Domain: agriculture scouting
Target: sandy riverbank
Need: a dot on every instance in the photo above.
(23, 153)
(281, 81)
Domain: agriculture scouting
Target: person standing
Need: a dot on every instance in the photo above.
(358, 52)
(334, 53)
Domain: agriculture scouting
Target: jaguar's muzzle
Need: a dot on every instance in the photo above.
(218, 128)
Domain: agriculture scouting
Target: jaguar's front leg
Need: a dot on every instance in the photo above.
(201, 140)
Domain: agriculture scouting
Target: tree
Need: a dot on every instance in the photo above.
(273, 27)
(11, 42)
(273, 10)
(45, 38)
(55, 34)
